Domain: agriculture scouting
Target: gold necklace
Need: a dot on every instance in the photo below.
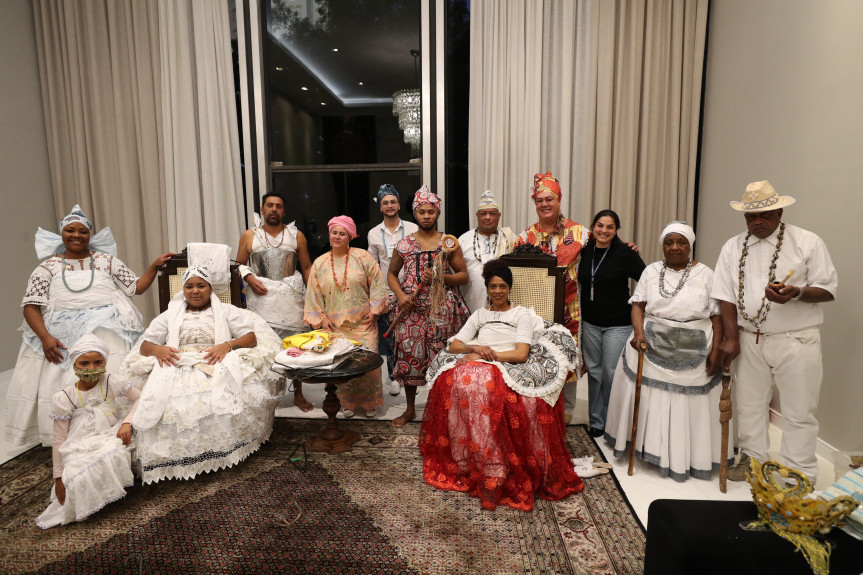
(761, 314)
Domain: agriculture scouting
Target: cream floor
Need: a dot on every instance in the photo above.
(644, 486)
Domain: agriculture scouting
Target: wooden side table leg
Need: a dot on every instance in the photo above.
(331, 431)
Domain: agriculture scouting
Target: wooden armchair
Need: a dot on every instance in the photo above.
(170, 282)
(538, 282)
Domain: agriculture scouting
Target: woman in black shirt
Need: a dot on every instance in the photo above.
(606, 266)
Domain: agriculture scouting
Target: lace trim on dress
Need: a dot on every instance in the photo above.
(188, 468)
(60, 417)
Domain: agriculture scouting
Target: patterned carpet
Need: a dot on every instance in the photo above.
(366, 511)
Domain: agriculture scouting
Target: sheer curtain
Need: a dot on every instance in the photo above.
(99, 68)
(611, 95)
(203, 187)
(141, 121)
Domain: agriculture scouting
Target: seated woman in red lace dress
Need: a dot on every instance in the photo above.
(493, 424)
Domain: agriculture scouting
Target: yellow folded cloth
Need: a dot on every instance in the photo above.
(317, 340)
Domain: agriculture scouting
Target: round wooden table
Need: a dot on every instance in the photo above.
(332, 439)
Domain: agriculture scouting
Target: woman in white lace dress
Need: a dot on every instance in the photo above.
(82, 287)
(678, 419)
(92, 457)
(210, 397)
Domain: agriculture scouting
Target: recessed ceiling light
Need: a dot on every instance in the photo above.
(360, 84)
(304, 89)
(279, 68)
(323, 103)
(335, 49)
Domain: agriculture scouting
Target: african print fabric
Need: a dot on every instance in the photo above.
(417, 340)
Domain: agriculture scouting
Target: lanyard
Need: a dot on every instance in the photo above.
(387, 252)
(593, 269)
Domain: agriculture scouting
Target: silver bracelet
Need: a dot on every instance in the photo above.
(799, 295)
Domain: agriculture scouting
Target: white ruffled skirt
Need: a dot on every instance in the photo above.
(195, 435)
(97, 469)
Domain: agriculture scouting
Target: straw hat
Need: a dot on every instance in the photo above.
(761, 197)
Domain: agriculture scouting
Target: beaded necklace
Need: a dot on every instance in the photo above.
(92, 274)
(476, 253)
(761, 314)
(670, 294)
(344, 285)
(99, 405)
(267, 237)
(556, 232)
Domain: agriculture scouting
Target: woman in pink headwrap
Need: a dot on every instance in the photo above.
(345, 295)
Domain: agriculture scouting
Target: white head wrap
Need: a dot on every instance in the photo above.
(86, 344)
(76, 215)
(198, 272)
(48, 243)
(487, 201)
(681, 228)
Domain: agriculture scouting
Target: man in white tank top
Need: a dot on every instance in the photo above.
(268, 257)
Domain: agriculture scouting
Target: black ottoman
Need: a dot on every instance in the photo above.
(690, 537)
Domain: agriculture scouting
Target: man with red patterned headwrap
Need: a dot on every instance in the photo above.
(417, 338)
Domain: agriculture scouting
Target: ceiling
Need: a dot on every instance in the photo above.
(345, 53)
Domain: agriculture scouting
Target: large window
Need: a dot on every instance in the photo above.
(332, 68)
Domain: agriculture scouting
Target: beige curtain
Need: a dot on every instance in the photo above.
(617, 118)
(141, 121)
(99, 68)
(203, 186)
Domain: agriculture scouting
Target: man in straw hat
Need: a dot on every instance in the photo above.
(484, 243)
(770, 281)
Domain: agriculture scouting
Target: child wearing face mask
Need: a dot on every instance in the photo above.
(91, 447)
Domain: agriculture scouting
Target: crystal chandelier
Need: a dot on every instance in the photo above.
(407, 105)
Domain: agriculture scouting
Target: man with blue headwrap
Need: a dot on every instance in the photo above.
(382, 239)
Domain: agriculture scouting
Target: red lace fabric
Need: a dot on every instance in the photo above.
(481, 437)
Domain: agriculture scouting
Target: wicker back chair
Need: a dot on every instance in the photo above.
(170, 282)
(537, 282)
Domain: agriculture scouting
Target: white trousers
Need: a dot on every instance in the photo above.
(792, 361)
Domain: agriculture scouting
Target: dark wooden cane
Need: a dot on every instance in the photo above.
(641, 349)
(725, 414)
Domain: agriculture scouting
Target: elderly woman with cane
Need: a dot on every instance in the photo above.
(678, 428)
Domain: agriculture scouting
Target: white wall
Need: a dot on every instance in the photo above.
(784, 102)
(26, 200)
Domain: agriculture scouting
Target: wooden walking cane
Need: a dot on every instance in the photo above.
(641, 349)
(725, 414)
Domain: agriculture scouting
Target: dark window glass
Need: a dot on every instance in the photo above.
(332, 69)
(315, 197)
(459, 215)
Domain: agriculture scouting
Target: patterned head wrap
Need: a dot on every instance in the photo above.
(198, 272)
(86, 344)
(487, 201)
(545, 183)
(76, 215)
(426, 196)
(681, 228)
(345, 222)
(386, 190)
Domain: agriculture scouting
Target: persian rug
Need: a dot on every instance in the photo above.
(365, 511)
